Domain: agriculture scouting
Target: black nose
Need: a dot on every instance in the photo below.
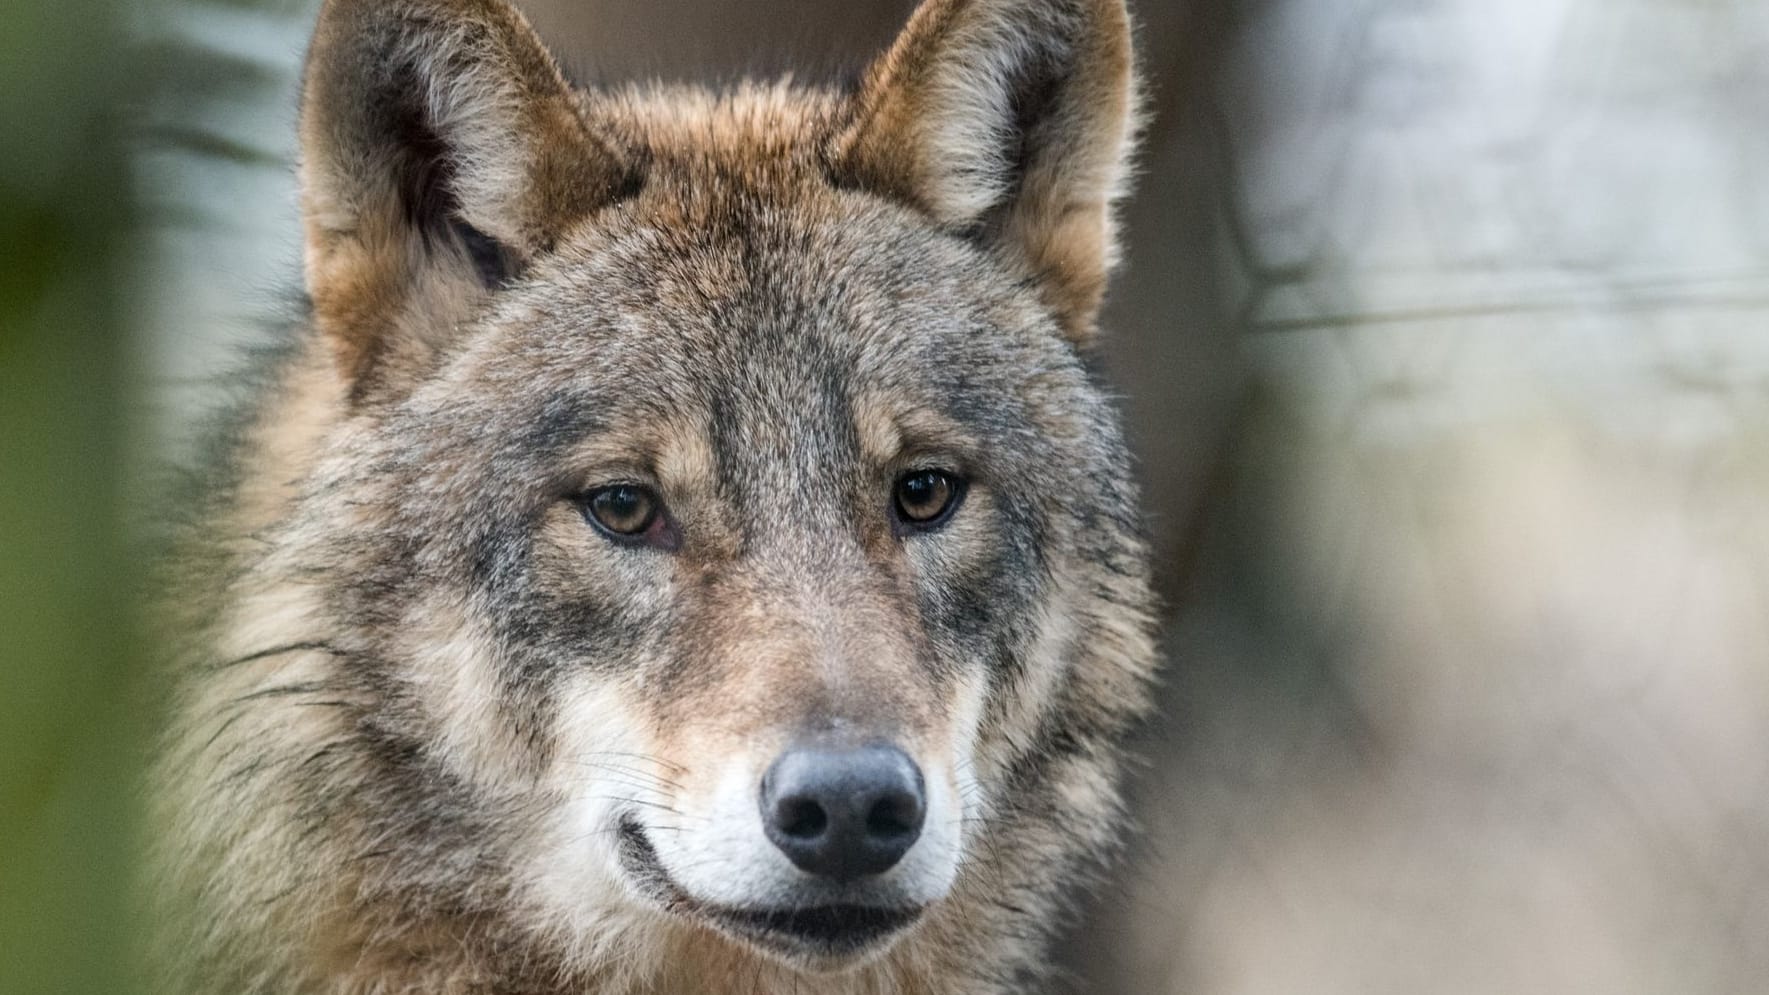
(843, 813)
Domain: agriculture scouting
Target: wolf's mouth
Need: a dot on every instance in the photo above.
(821, 931)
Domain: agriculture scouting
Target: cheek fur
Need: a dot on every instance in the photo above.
(579, 601)
(975, 576)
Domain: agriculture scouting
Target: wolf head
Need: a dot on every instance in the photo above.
(706, 525)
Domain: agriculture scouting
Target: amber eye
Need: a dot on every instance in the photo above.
(622, 510)
(926, 498)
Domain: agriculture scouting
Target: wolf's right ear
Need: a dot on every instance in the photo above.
(1010, 121)
(441, 149)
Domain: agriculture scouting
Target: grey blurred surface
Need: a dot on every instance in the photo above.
(1444, 337)
(1469, 691)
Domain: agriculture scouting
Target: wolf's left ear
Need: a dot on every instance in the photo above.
(1012, 120)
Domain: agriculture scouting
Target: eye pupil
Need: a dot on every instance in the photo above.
(925, 496)
(623, 509)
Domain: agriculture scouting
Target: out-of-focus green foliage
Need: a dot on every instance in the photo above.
(68, 734)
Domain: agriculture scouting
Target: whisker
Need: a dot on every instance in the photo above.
(630, 771)
(282, 690)
(660, 806)
(265, 654)
(678, 768)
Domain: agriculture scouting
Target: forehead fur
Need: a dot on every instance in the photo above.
(760, 132)
(773, 302)
(741, 238)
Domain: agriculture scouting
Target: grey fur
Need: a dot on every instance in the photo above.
(402, 609)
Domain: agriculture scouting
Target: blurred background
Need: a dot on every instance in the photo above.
(1444, 340)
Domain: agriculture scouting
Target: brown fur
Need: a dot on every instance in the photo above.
(421, 686)
(917, 120)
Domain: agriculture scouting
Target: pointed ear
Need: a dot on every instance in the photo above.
(441, 149)
(1012, 120)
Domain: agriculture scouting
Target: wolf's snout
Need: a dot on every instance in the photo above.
(843, 814)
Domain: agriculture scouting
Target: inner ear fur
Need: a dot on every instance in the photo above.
(441, 148)
(1012, 121)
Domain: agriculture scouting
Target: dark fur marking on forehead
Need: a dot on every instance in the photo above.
(800, 406)
(564, 418)
(728, 468)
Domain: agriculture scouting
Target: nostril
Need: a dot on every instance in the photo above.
(801, 818)
(892, 816)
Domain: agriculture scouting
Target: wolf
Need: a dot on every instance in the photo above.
(687, 547)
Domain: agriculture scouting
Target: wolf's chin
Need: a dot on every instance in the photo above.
(820, 938)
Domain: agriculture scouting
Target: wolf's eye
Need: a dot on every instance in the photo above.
(925, 499)
(623, 511)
